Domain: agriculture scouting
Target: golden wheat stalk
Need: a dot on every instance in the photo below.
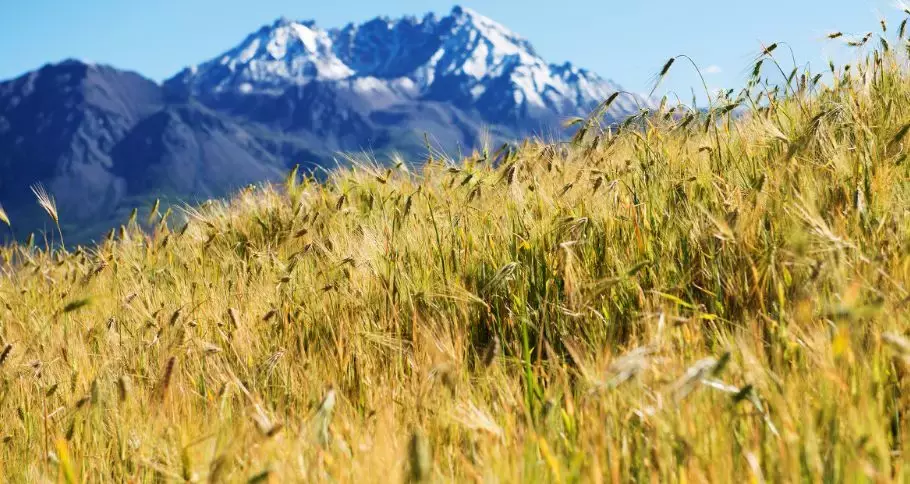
(47, 202)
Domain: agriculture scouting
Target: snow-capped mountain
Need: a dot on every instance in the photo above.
(104, 140)
(464, 59)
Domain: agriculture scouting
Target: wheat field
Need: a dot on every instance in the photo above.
(717, 295)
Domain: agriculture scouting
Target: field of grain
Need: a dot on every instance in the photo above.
(693, 296)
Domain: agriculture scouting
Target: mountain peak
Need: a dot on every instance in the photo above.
(498, 34)
(285, 54)
(468, 13)
(72, 61)
(282, 22)
(459, 11)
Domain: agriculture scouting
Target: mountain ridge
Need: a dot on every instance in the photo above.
(464, 59)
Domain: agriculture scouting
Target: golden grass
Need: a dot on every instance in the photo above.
(691, 298)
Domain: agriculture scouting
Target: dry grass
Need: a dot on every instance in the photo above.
(693, 298)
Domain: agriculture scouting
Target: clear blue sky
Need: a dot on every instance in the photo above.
(625, 41)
